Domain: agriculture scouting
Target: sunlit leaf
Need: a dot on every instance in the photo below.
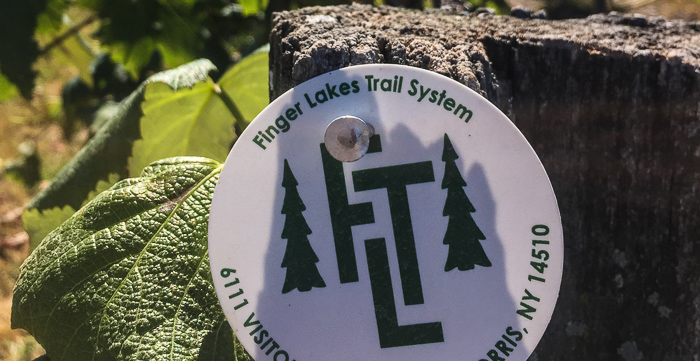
(39, 224)
(246, 83)
(127, 277)
(133, 55)
(185, 76)
(108, 151)
(102, 186)
(187, 122)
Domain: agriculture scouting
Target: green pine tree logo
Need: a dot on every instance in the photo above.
(299, 258)
(462, 235)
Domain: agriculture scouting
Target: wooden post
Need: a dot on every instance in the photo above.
(611, 105)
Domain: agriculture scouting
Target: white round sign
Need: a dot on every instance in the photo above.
(442, 242)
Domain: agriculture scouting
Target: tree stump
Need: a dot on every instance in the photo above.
(610, 104)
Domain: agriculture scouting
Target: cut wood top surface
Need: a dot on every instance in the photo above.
(317, 39)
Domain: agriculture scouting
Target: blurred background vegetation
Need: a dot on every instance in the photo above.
(64, 64)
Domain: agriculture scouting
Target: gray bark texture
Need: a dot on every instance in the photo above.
(611, 106)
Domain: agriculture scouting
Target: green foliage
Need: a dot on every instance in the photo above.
(103, 115)
(180, 30)
(500, 6)
(252, 7)
(73, 50)
(7, 89)
(200, 121)
(187, 122)
(52, 17)
(152, 25)
(177, 112)
(19, 20)
(102, 186)
(108, 151)
(39, 224)
(18, 49)
(114, 283)
(185, 76)
(127, 276)
(247, 84)
(241, 353)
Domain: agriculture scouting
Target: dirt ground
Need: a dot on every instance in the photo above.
(37, 122)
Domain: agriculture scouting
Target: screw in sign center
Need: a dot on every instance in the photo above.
(347, 138)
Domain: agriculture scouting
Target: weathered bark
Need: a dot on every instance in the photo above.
(610, 104)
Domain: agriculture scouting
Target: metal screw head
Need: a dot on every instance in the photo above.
(347, 138)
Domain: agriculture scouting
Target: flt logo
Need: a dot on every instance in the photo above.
(444, 241)
(462, 236)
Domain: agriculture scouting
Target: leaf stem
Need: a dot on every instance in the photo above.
(70, 32)
(231, 105)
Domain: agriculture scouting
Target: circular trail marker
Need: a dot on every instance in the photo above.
(442, 240)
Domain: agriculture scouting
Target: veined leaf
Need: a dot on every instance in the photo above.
(246, 83)
(185, 76)
(39, 224)
(102, 186)
(108, 151)
(187, 122)
(127, 276)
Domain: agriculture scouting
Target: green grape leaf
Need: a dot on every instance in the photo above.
(39, 224)
(109, 150)
(185, 76)
(180, 38)
(186, 122)
(19, 20)
(246, 83)
(172, 27)
(134, 55)
(102, 186)
(127, 276)
(103, 115)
